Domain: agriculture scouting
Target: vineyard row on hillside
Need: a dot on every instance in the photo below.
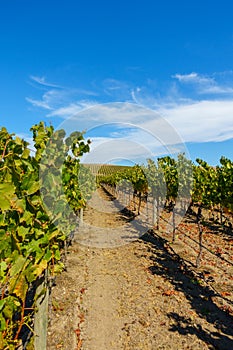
(42, 193)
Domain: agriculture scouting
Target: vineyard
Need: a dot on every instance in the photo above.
(187, 209)
(32, 244)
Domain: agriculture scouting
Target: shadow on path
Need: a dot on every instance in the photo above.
(172, 267)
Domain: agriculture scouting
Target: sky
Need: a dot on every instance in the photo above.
(140, 77)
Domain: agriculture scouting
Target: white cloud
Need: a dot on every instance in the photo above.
(71, 109)
(113, 84)
(126, 130)
(116, 89)
(106, 150)
(183, 119)
(204, 84)
(216, 89)
(193, 78)
(133, 95)
(202, 121)
(49, 99)
(42, 81)
(38, 103)
(57, 99)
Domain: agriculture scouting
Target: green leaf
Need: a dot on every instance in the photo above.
(57, 254)
(40, 268)
(7, 191)
(19, 205)
(48, 255)
(3, 268)
(27, 217)
(2, 303)
(18, 265)
(23, 231)
(5, 204)
(30, 183)
(2, 325)
(19, 286)
(2, 221)
(26, 153)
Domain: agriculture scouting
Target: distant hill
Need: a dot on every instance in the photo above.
(105, 169)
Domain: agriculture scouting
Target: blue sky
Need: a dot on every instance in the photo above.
(172, 57)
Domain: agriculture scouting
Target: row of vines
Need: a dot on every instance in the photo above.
(178, 185)
(39, 189)
(42, 191)
(172, 179)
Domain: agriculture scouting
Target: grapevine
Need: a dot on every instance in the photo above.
(31, 242)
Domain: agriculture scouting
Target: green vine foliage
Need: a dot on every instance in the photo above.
(205, 189)
(225, 183)
(41, 194)
(31, 240)
(156, 180)
(204, 184)
(169, 168)
(135, 175)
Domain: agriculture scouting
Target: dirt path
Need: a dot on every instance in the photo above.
(131, 296)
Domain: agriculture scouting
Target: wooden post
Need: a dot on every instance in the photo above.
(199, 217)
(81, 216)
(173, 223)
(139, 202)
(41, 315)
(200, 244)
(157, 213)
(147, 209)
(153, 210)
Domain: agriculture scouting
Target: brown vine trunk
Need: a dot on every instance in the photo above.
(199, 216)
(157, 218)
(139, 202)
(173, 223)
(134, 199)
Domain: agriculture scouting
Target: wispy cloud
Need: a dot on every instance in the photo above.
(184, 115)
(193, 78)
(116, 89)
(204, 84)
(42, 81)
(217, 89)
(38, 103)
(71, 109)
(49, 100)
(106, 150)
(59, 100)
(202, 121)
